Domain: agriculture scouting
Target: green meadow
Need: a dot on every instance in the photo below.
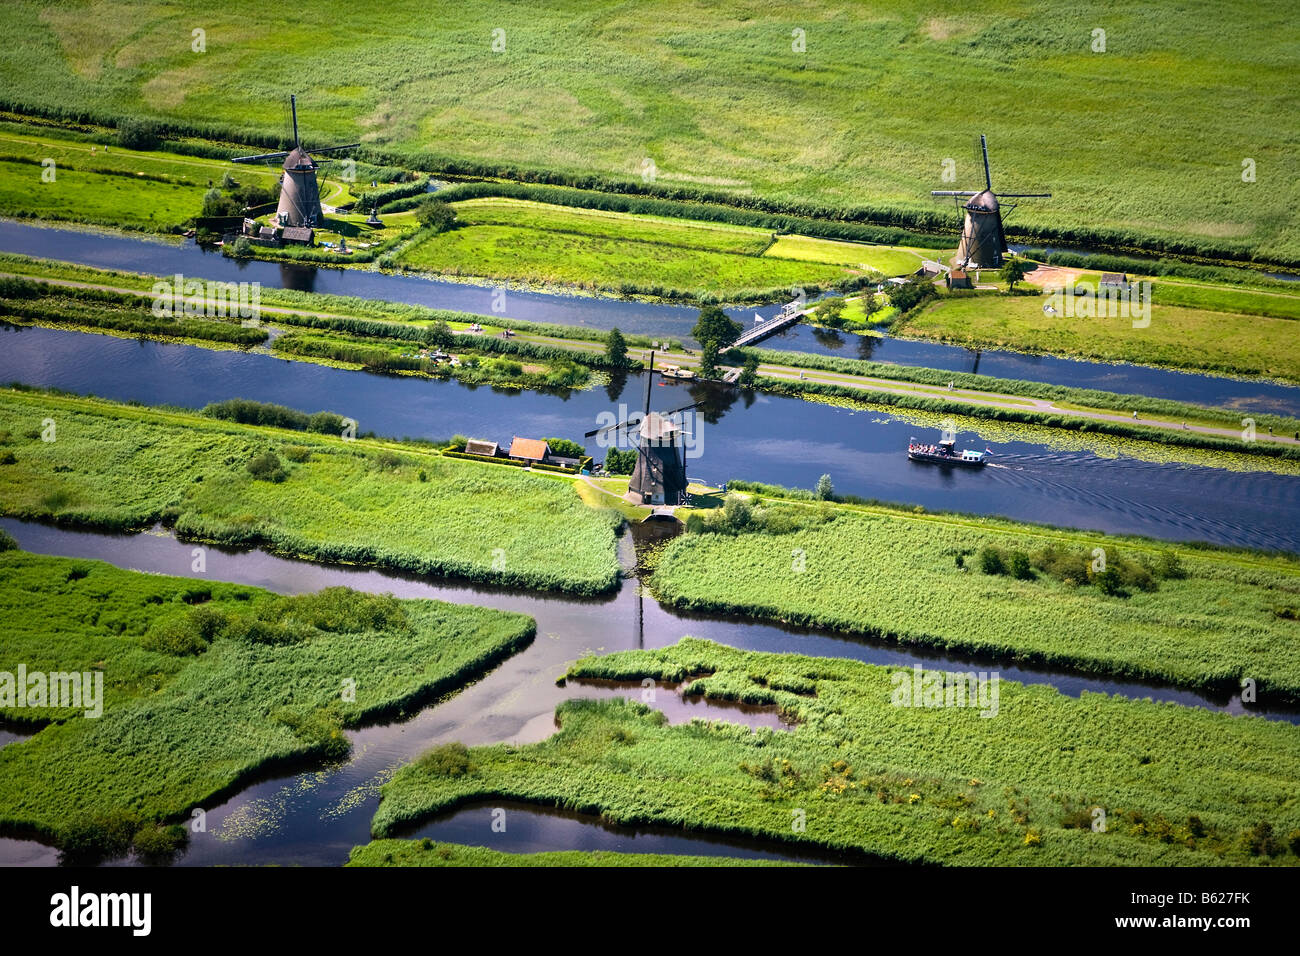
(611, 252)
(1177, 786)
(206, 684)
(429, 853)
(1179, 336)
(1194, 616)
(794, 101)
(305, 493)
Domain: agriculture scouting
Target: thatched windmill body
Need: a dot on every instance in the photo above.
(983, 242)
(659, 477)
(299, 192)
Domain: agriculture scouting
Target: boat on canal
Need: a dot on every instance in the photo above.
(944, 452)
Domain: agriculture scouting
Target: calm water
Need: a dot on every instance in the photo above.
(743, 435)
(317, 817)
(145, 255)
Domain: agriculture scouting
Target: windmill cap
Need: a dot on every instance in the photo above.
(984, 202)
(298, 159)
(654, 427)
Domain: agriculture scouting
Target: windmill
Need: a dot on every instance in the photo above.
(983, 242)
(659, 477)
(299, 194)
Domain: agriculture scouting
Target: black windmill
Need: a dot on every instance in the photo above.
(983, 243)
(659, 477)
(299, 193)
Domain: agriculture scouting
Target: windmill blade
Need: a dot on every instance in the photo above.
(332, 149)
(626, 423)
(952, 192)
(260, 158)
(684, 408)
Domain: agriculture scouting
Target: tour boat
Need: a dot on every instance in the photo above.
(945, 453)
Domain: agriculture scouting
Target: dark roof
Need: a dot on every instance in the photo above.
(266, 232)
(1113, 278)
(984, 202)
(297, 234)
(532, 449)
(479, 446)
(298, 159)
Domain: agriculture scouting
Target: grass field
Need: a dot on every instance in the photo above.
(428, 853)
(882, 259)
(721, 100)
(121, 467)
(916, 579)
(1178, 337)
(530, 242)
(205, 684)
(1178, 787)
(151, 191)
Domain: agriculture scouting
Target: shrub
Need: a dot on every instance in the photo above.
(178, 637)
(159, 843)
(1259, 840)
(8, 458)
(138, 134)
(447, 760)
(991, 562)
(267, 467)
(298, 453)
(620, 461)
(1020, 566)
(434, 214)
(7, 542)
(92, 838)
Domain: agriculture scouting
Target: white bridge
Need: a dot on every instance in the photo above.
(788, 316)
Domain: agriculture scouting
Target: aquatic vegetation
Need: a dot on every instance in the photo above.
(273, 680)
(123, 467)
(864, 776)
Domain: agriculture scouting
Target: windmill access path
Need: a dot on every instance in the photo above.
(793, 373)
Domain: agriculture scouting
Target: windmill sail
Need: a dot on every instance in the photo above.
(299, 192)
(983, 240)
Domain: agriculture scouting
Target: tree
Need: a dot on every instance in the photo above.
(749, 374)
(870, 304)
(435, 214)
(138, 134)
(830, 312)
(616, 349)
(715, 327)
(709, 360)
(565, 448)
(439, 336)
(620, 462)
(825, 490)
(911, 293)
(1012, 271)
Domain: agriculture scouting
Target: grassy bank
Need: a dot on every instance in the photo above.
(777, 108)
(1193, 616)
(1179, 336)
(429, 853)
(612, 252)
(206, 685)
(121, 467)
(1179, 787)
